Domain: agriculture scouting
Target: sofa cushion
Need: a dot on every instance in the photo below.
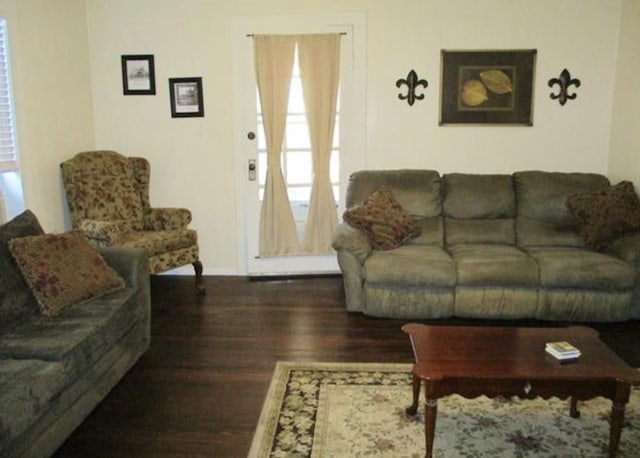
(469, 196)
(159, 242)
(383, 219)
(78, 336)
(606, 214)
(62, 269)
(16, 300)
(501, 231)
(571, 268)
(417, 191)
(29, 388)
(541, 201)
(478, 208)
(420, 265)
(491, 265)
(431, 232)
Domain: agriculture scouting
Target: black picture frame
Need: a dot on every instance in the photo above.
(186, 97)
(493, 87)
(138, 74)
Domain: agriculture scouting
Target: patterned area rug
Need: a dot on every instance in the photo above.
(357, 410)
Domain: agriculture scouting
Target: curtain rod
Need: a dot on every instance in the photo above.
(341, 33)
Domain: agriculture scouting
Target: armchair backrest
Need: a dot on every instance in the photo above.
(106, 186)
(142, 173)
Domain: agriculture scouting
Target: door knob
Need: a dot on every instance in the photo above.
(252, 170)
(251, 135)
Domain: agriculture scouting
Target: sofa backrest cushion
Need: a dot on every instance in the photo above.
(543, 218)
(16, 301)
(478, 208)
(417, 191)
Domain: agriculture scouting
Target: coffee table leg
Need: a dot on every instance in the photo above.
(413, 408)
(430, 413)
(574, 412)
(617, 420)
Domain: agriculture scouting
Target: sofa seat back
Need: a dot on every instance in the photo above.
(543, 218)
(17, 303)
(417, 191)
(478, 209)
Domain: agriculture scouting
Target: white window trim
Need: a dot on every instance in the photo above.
(8, 137)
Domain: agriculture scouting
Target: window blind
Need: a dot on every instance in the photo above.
(8, 156)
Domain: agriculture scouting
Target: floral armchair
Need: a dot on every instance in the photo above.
(108, 198)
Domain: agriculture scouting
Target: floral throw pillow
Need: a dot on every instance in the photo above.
(383, 219)
(63, 269)
(606, 214)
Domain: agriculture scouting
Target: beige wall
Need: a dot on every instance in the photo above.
(52, 86)
(577, 34)
(624, 160)
(193, 161)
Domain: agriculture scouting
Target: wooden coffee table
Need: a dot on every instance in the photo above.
(511, 361)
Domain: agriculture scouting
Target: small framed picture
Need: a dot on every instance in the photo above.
(186, 97)
(138, 74)
(487, 87)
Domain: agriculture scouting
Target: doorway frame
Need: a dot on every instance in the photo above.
(352, 113)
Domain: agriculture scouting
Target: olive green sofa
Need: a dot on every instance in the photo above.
(490, 246)
(54, 370)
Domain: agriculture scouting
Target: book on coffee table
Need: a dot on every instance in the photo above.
(562, 350)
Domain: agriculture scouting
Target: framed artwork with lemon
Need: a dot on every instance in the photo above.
(487, 87)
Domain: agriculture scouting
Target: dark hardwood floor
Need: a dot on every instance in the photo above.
(198, 390)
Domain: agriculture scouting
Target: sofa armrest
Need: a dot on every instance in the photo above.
(627, 248)
(131, 263)
(349, 238)
(104, 233)
(165, 219)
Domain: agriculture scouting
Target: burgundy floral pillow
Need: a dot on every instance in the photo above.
(383, 219)
(63, 269)
(606, 214)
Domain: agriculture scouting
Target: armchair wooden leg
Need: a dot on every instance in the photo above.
(197, 266)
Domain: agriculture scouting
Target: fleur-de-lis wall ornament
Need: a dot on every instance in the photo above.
(412, 82)
(564, 81)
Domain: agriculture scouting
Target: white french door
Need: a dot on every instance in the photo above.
(250, 149)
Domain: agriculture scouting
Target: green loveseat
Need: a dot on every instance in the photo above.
(55, 369)
(490, 246)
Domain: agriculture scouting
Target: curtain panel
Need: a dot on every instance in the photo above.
(274, 64)
(319, 57)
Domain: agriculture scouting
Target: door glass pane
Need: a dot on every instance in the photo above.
(297, 132)
(299, 193)
(299, 167)
(334, 167)
(336, 194)
(296, 99)
(262, 140)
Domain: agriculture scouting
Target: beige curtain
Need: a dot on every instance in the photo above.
(274, 63)
(319, 57)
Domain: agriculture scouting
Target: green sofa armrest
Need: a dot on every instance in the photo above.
(166, 219)
(627, 248)
(349, 238)
(104, 233)
(131, 263)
